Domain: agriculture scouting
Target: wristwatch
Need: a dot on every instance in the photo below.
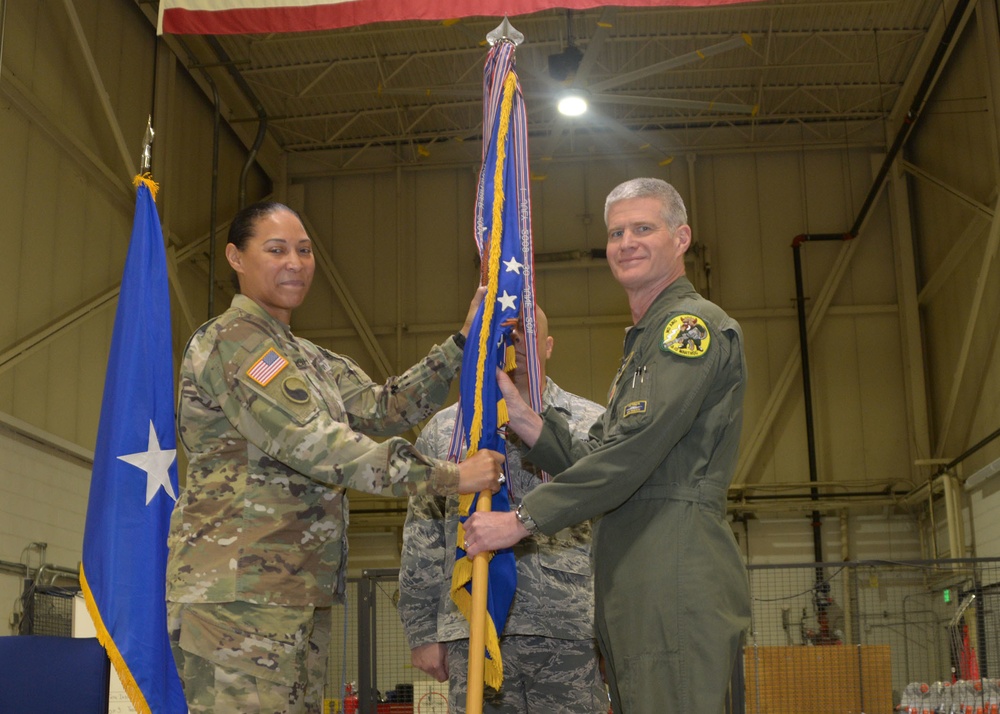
(525, 519)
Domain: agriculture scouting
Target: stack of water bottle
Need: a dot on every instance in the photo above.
(964, 696)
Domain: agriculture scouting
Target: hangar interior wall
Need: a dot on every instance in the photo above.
(903, 354)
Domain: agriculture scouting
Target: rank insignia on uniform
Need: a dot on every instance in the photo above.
(295, 390)
(634, 408)
(686, 335)
(267, 367)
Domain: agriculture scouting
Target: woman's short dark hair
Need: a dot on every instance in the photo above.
(246, 219)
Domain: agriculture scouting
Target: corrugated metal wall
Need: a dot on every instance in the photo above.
(399, 240)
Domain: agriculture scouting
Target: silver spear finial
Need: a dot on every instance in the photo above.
(504, 31)
(147, 148)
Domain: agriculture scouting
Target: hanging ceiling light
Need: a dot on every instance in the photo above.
(572, 103)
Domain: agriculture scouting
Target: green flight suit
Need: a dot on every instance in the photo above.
(672, 597)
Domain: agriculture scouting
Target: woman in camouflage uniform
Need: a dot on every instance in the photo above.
(275, 428)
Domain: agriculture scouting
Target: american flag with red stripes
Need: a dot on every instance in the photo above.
(267, 367)
(224, 17)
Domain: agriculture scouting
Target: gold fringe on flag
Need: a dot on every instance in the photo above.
(135, 694)
(496, 231)
(509, 361)
(462, 572)
(147, 179)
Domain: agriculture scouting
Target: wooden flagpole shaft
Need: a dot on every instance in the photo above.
(477, 623)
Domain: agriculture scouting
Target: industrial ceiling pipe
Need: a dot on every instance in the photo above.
(214, 200)
(948, 37)
(800, 306)
(213, 210)
(967, 453)
(258, 107)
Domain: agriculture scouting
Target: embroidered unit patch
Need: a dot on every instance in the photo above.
(267, 367)
(634, 408)
(295, 390)
(686, 335)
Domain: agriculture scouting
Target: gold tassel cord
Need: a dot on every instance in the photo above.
(489, 301)
(464, 567)
(509, 361)
(496, 231)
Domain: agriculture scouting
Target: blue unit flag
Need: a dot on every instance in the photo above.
(134, 483)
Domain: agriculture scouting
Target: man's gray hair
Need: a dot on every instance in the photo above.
(673, 210)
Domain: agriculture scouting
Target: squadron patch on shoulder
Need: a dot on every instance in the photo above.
(295, 390)
(686, 335)
(267, 367)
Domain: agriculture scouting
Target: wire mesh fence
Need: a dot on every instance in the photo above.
(342, 667)
(46, 611)
(873, 636)
(369, 668)
(869, 637)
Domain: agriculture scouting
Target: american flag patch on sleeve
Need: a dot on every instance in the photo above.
(267, 367)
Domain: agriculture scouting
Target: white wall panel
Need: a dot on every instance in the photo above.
(43, 499)
(15, 130)
(841, 444)
(734, 230)
(955, 143)
(982, 509)
(780, 217)
(778, 540)
(954, 139)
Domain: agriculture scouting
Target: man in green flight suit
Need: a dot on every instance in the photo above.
(672, 598)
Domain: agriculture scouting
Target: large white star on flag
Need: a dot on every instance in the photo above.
(156, 463)
(506, 301)
(513, 266)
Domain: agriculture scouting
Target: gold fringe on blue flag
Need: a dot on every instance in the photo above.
(123, 571)
(503, 235)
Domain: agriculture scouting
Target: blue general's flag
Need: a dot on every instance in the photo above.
(134, 483)
(503, 236)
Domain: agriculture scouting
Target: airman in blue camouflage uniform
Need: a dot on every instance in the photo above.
(549, 655)
(275, 428)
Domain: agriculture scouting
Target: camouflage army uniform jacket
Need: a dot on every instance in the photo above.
(554, 597)
(271, 447)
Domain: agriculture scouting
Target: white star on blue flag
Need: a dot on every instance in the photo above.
(156, 463)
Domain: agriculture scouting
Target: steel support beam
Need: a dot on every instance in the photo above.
(326, 265)
(40, 338)
(128, 163)
(971, 328)
(980, 208)
(911, 332)
(118, 188)
(973, 231)
(751, 449)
